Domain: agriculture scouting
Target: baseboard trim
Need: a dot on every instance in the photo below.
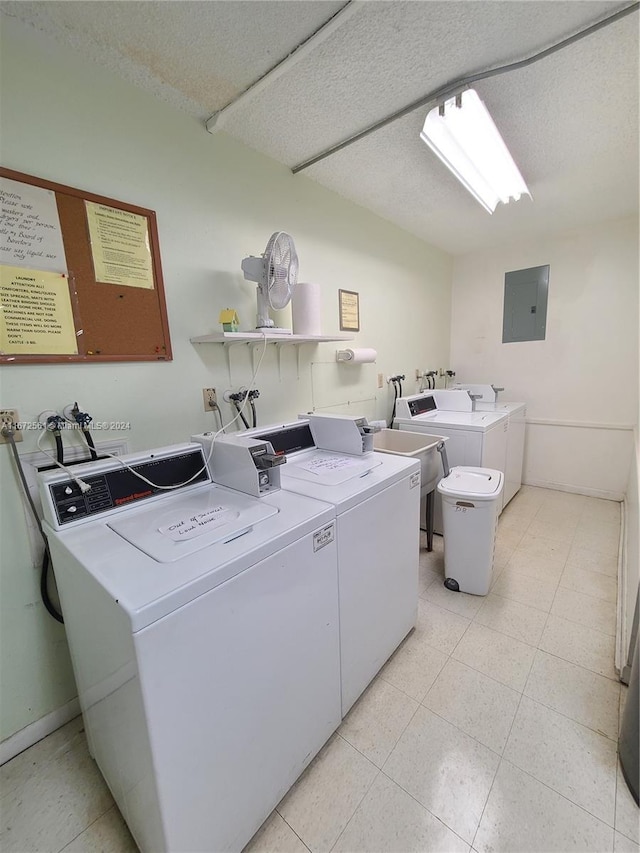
(18, 742)
(579, 424)
(577, 490)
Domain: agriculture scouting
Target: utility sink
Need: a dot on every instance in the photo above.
(416, 444)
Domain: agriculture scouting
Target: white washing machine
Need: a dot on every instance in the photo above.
(476, 439)
(517, 418)
(203, 629)
(377, 502)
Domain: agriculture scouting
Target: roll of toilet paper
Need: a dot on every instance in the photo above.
(363, 355)
(306, 309)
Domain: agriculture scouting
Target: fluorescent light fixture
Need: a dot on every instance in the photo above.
(462, 133)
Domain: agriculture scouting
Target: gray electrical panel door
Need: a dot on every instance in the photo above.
(525, 305)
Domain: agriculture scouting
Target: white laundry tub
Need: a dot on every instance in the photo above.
(421, 446)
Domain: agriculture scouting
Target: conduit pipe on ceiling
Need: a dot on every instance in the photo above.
(456, 86)
(316, 38)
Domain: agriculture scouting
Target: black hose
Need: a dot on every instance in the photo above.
(59, 447)
(241, 413)
(395, 399)
(254, 417)
(44, 591)
(83, 419)
(8, 434)
(44, 587)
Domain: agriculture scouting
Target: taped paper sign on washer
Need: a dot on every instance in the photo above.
(191, 526)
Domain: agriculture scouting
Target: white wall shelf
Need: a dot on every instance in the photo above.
(256, 339)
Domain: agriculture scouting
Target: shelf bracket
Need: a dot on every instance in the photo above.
(253, 346)
(254, 339)
(227, 352)
(279, 352)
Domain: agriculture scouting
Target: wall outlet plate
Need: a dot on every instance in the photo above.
(380, 380)
(209, 399)
(9, 417)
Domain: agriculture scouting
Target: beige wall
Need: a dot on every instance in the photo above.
(581, 382)
(216, 202)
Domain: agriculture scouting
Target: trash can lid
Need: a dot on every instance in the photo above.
(469, 482)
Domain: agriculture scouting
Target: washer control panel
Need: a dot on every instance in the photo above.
(421, 405)
(120, 486)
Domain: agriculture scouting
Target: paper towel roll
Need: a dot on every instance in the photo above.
(306, 309)
(364, 355)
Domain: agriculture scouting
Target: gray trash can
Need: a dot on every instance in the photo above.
(470, 508)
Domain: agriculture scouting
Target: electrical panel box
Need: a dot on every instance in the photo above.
(525, 305)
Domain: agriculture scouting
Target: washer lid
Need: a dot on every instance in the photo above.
(499, 408)
(326, 468)
(147, 589)
(187, 523)
(470, 482)
(344, 486)
(478, 421)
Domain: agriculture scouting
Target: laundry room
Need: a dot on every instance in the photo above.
(200, 121)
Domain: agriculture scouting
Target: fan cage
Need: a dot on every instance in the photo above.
(281, 263)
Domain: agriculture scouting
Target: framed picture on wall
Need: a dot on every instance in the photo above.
(349, 307)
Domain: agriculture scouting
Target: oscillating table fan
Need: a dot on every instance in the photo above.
(276, 273)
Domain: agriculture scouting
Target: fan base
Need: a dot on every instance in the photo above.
(273, 330)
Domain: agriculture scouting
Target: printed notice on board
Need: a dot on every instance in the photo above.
(35, 313)
(120, 246)
(30, 233)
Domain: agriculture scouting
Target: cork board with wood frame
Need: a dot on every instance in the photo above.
(116, 316)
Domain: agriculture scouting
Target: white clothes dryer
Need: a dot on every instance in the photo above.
(377, 503)
(203, 629)
(476, 439)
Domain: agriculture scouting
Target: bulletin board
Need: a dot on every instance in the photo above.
(80, 277)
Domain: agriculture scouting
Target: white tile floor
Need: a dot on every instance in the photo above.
(493, 727)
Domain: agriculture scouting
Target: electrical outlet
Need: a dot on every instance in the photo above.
(9, 417)
(209, 398)
(380, 380)
(418, 374)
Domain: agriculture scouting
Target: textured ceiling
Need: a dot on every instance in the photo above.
(570, 120)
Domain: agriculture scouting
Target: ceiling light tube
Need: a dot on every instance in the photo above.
(462, 134)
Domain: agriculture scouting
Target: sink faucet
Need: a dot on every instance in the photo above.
(496, 390)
